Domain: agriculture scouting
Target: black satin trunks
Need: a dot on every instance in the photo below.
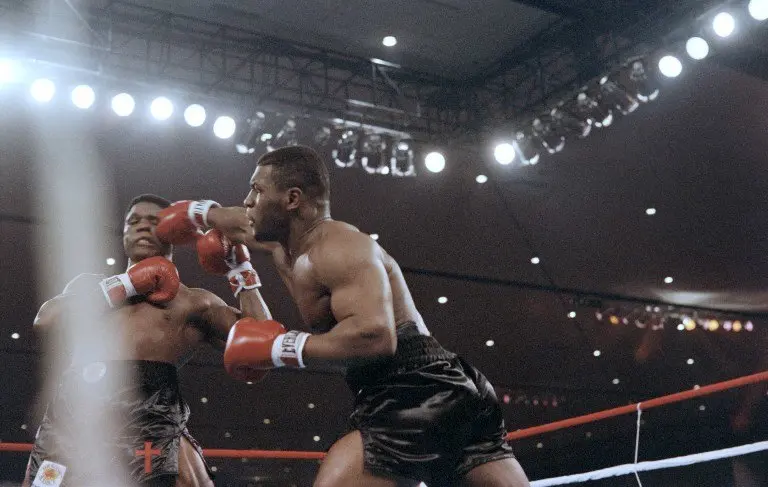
(145, 403)
(425, 414)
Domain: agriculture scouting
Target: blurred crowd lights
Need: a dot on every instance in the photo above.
(658, 318)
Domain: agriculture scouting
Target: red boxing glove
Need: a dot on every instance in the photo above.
(184, 221)
(218, 255)
(254, 346)
(156, 278)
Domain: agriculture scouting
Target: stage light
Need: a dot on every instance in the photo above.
(442, 300)
(697, 48)
(250, 135)
(15, 336)
(713, 325)
(345, 153)
(572, 315)
(42, 90)
(504, 153)
(737, 326)
(646, 87)
(612, 95)
(525, 149)
(8, 71)
(224, 127)
(389, 41)
(690, 361)
(481, 179)
(194, 115)
(614, 320)
(670, 66)
(535, 260)
(316, 438)
(591, 111)
(668, 280)
(83, 97)
(123, 104)
(597, 353)
(650, 211)
(723, 24)
(749, 326)
(434, 162)
(374, 156)
(547, 135)
(110, 261)
(616, 381)
(689, 323)
(285, 137)
(758, 9)
(490, 343)
(322, 136)
(161, 108)
(402, 162)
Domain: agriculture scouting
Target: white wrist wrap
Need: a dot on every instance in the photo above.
(287, 349)
(117, 289)
(198, 213)
(243, 276)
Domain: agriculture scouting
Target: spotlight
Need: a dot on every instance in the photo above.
(285, 137)
(481, 179)
(570, 124)
(42, 90)
(83, 97)
(525, 149)
(401, 162)
(194, 115)
(250, 134)
(614, 96)
(697, 48)
(504, 153)
(758, 9)
(689, 323)
(547, 135)
(647, 89)
(591, 111)
(322, 136)
(389, 41)
(345, 153)
(373, 154)
(7, 71)
(723, 24)
(123, 104)
(670, 66)
(434, 162)
(161, 108)
(224, 127)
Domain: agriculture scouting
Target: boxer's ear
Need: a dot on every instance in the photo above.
(293, 198)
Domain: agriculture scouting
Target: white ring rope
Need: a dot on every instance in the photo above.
(654, 465)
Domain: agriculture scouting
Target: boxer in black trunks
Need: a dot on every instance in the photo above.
(159, 322)
(421, 413)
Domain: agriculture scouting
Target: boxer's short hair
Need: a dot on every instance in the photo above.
(148, 198)
(301, 167)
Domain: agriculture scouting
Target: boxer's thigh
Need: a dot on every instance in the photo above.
(192, 471)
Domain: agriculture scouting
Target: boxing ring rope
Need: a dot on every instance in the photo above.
(631, 468)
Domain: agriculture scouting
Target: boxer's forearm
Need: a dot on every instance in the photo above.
(252, 305)
(350, 339)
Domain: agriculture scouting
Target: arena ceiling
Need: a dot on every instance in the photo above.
(696, 155)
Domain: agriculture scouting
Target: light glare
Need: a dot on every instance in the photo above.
(83, 97)
(161, 108)
(194, 115)
(504, 154)
(723, 24)
(697, 48)
(224, 127)
(670, 66)
(434, 162)
(43, 90)
(123, 104)
(758, 9)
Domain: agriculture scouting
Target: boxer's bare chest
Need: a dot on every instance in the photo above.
(312, 298)
(160, 333)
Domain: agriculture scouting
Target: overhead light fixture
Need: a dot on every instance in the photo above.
(374, 156)
(697, 48)
(110, 261)
(614, 96)
(389, 41)
(591, 111)
(597, 353)
(434, 162)
(345, 153)
(645, 85)
(481, 179)
(525, 149)
(42, 90)
(285, 137)
(670, 66)
(572, 314)
(758, 9)
(194, 115)
(442, 300)
(15, 336)
(535, 260)
(668, 280)
(250, 134)
(650, 211)
(723, 24)
(83, 97)
(489, 343)
(402, 160)
(316, 438)
(224, 127)
(123, 104)
(161, 108)
(504, 153)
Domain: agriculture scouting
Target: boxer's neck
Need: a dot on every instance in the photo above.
(302, 229)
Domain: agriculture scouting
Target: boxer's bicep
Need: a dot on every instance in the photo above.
(361, 302)
(215, 316)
